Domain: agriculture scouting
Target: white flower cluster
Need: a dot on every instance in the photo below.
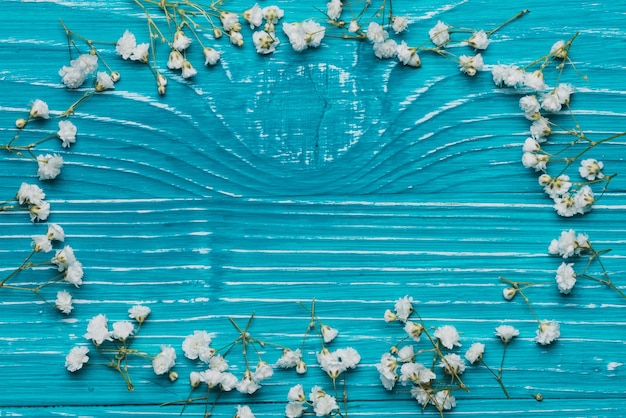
(322, 403)
(570, 197)
(32, 197)
(74, 75)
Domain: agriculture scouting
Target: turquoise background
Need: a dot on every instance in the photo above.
(327, 174)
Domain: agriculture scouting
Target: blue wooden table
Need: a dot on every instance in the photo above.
(267, 182)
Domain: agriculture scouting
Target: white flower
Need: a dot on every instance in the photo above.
(479, 40)
(74, 273)
(413, 330)
(289, 358)
(181, 41)
(64, 258)
(329, 333)
(558, 186)
(228, 381)
(558, 50)
(196, 345)
(104, 81)
(421, 396)
(354, 26)
(230, 21)
(386, 49)
(264, 42)
(76, 358)
(244, 412)
(41, 243)
(139, 313)
(314, 33)
(563, 92)
(444, 400)
(534, 80)
(294, 409)
(49, 166)
(550, 102)
(263, 371)
(219, 363)
(63, 302)
(165, 360)
(333, 9)
(399, 24)
(211, 56)
(439, 34)
(448, 336)
(72, 77)
(195, 379)
(509, 75)
(547, 332)
(39, 109)
(470, 64)
(565, 206)
(296, 394)
(248, 385)
(187, 70)
(376, 33)
(122, 330)
(273, 14)
(86, 63)
(540, 129)
(387, 370)
(506, 333)
(452, 364)
(530, 105)
(254, 16)
(175, 60)
(531, 145)
(98, 330)
(565, 278)
(39, 212)
(126, 44)
(67, 133)
(568, 244)
(406, 354)
(301, 367)
(140, 52)
(408, 55)
(404, 307)
(536, 161)
(584, 199)
(323, 403)
(591, 169)
(30, 194)
(475, 352)
(416, 373)
(211, 377)
(509, 293)
(236, 38)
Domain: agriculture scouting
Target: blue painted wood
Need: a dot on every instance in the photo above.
(327, 174)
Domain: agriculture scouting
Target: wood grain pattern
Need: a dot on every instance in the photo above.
(329, 174)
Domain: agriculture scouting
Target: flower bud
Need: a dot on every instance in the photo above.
(20, 123)
(301, 367)
(115, 76)
(394, 349)
(545, 179)
(161, 90)
(173, 376)
(195, 379)
(509, 293)
(390, 316)
(217, 33)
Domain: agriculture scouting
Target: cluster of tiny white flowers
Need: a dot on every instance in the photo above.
(323, 404)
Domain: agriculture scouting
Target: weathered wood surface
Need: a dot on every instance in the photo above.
(329, 174)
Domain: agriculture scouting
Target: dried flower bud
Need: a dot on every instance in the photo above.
(173, 376)
(115, 76)
(301, 367)
(509, 293)
(217, 33)
(390, 316)
(394, 349)
(20, 123)
(545, 179)
(538, 397)
(161, 90)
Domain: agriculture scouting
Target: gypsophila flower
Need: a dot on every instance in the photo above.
(547, 332)
(323, 403)
(230, 21)
(506, 333)
(139, 313)
(333, 9)
(140, 53)
(263, 371)
(479, 40)
(535, 80)
(565, 278)
(39, 109)
(406, 354)
(531, 145)
(452, 364)
(301, 367)
(41, 243)
(64, 258)
(416, 373)
(219, 363)
(175, 61)
(439, 34)
(30, 194)
(122, 330)
(195, 379)
(264, 42)
(475, 352)
(244, 412)
(126, 44)
(211, 56)
(387, 370)
(408, 55)
(540, 129)
(74, 273)
(509, 293)
(530, 105)
(558, 186)
(413, 330)
(49, 166)
(72, 77)
(294, 409)
(296, 394)
(399, 24)
(98, 330)
(329, 333)
(569, 244)
(550, 102)
(63, 302)
(444, 400)
(421, 396)
(404, 307)
(254, 16)
(448, 336)
(386, 49)
(591, 169)
(165, 360)
(376, 33)
(67, 133)
(104, 81)
(584, 199)
(273, 14)
(290, 358)
(76, 358)
(537, 161)
(196, 346)
(236, 38)
(181, 41)
(470, 64)
(39, 212)
(508, 75)
(187, 70)
(247, 384)
(354, 26)
(558, 50)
